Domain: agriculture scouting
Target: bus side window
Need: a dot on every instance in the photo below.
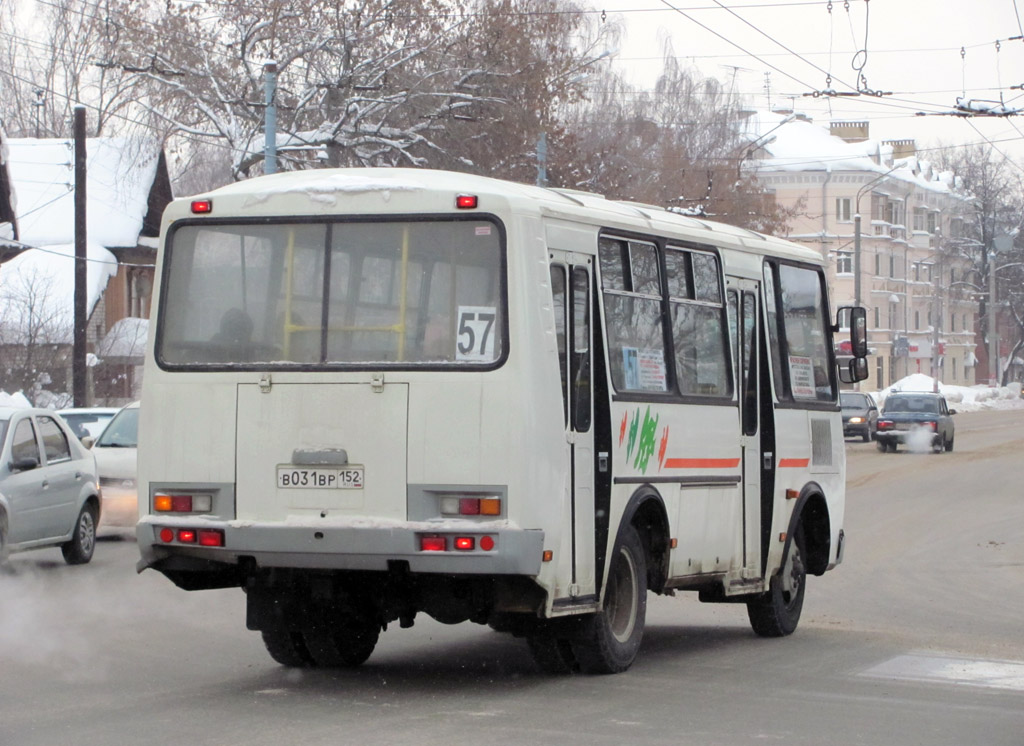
(558, 288)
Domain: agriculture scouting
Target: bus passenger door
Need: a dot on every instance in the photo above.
(571, 286)
(745, 322)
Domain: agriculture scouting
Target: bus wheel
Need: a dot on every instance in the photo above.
(552, 654)
(286, 647)
(340, 641)
(610, 639)
(777, 612)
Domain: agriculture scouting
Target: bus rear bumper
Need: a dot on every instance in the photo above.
(513, 551)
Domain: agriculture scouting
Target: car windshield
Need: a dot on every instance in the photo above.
(853, 401)
(123, 430)
(922, 404)
(85, 423)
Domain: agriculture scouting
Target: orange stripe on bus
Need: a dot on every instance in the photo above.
(798, 463)
(701, 463)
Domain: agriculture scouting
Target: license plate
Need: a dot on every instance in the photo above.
(319, 478)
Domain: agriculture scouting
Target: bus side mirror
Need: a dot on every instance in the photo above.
(856, 318)
(856, 369)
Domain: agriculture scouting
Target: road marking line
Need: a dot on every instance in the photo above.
(962, 671)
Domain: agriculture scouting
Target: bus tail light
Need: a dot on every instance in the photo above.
(457, 505)
(211, 537)
(466, 201)
(167, 503)
(465, 543)
(204, 537)
(433, 544)
(202, 206)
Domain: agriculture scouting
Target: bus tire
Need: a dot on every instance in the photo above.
(610, 639)
(340, 642)
(553, 655)
(286, 647)
(776, 613)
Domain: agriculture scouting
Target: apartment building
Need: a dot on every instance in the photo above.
(921, 313)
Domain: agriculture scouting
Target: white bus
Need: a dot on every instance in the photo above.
(377, 392)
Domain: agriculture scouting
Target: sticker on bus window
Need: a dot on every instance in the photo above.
(801, 377)
(643, 370)
(474, 338)
(483, 230)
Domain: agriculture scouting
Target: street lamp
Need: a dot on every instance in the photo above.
(856, 234)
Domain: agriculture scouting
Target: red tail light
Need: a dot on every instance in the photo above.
(202, 206)
(432, 544)
(465, 543)
(884, 424)
(211, 537)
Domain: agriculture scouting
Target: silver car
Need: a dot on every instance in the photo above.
(49, 488)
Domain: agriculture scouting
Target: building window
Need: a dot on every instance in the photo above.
(952, 322)
(964, 327)
(952, 275)
(877, 325)
(843, 211)
(917, 319)
(919, 218)
(844, 263)
(878, 264)
(954, 369)
(932, 216)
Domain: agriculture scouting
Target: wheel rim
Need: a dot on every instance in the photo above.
(86, 532)
(622, 598)
(792, 575)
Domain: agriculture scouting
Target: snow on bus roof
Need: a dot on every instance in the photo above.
(324, 186)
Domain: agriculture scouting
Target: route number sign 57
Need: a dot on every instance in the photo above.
(475, 334)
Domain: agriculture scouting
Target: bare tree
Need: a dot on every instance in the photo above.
(35, 335)
(994, 190)
(382, 82)
(57, 55)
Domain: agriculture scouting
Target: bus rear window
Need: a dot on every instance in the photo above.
(396, 292)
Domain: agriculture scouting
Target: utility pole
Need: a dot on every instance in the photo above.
(270, 118)
(1000, 244)
(78, 369)
(542, 159)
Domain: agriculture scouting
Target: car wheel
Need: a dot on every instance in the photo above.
(611, 638)
(78, 551)
(881, 445)
(949, 445)
(777, 612)
(940, 445)
(866, 435)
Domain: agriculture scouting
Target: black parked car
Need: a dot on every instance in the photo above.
(860, 415)
(916, 419)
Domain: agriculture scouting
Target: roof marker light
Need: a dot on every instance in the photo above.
(202, 206)
(465, 201)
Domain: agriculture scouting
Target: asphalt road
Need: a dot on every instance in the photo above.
(918, 638)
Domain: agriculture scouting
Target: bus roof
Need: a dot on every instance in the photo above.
(385, 190)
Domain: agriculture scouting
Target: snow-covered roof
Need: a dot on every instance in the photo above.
(126, 338)
(801, 145)
(120, 175)
(42, 281)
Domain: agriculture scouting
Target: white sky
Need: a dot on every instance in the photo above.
(913, 50)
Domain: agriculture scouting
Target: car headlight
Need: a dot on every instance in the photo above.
(856, 420)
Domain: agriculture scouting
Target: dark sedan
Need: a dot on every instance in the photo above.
(860, 415)
(917, 420)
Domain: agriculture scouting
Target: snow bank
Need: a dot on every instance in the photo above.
(961, 398)
(17, 399)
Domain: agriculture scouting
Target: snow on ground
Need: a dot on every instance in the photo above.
(961, 398)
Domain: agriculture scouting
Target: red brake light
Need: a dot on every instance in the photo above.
(465, 543)
(465, 201)
(884, 424)
(187, 536)
(202, 206)
(486, 543)
(181, 503)
(432, 544)
(211, 537)
(469, 506)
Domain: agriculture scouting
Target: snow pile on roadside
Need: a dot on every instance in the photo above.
(17, 400)
(961, 398)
